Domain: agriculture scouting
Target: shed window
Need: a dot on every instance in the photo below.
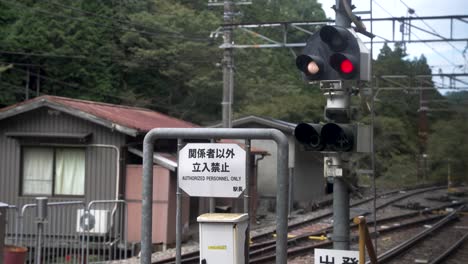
(53, 171)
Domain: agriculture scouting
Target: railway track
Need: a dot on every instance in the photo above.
(302, 244)
(434, 245)
(263, 246)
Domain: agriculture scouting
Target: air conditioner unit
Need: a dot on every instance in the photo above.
(96, 222)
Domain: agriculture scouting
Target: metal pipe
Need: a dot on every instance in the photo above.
(340, 188)
(212, 200)
(16, 221)
(204, 133)
(340, 214)
(247, 197)
(180, 144)
(115, 202)
(3, 222)
(247, 177)
(41, 217)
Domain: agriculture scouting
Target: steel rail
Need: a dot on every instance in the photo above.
(328, 214)
(390, 254)
(298, 250)
(190, 255)
(268, 246)
(450, 250)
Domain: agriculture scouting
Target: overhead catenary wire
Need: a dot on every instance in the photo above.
(431, 28)
(436, 51)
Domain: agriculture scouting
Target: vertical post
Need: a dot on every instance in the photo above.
(26, 88)
(374, 182)
(340, 214)
(247, 176)
(362, 243)
(212, 205)
(179, 212)
(291, 191)
(212, 200)
(41, 217)
(147, 199)
(365, 241)
(247, 197)
(3, 208)
(38, 81)
(425, 167)
(449, 177)
(228, 73)
(340, 188)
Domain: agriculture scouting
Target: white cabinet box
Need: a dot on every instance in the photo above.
(223, 238)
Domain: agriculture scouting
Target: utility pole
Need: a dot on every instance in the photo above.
(228, 71)
(228, 65)
(423, 130)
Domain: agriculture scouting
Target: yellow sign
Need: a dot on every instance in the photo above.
(224, 247)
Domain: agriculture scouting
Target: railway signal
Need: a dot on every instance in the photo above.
(334, 53)
(327, 137)
(334, 137)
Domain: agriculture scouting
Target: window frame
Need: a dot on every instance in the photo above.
(54, 159)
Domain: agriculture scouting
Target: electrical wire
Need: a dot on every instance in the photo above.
(431, 28)
(43, 54)
(436, 51)
(381, 7)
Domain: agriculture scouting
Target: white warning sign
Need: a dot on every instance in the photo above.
(212, 170)
(332, 256)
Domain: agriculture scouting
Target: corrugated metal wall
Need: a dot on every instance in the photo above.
(309, 183)
(100, 176)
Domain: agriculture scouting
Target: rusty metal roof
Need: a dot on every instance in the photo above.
(126, 119)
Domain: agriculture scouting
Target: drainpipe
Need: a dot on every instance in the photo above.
(256, 181)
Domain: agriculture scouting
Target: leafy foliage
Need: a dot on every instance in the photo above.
(158, 54)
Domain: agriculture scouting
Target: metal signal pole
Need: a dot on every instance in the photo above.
(340, 188)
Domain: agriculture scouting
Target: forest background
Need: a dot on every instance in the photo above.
(158, 54)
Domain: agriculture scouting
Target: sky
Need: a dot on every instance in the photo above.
(441, 56)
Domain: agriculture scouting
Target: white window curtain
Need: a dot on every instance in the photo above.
(69, 171)
(37, 170)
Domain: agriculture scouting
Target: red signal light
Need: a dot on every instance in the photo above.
(346, 66)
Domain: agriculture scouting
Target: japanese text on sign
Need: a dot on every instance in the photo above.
(212, 170)
(330, 256)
